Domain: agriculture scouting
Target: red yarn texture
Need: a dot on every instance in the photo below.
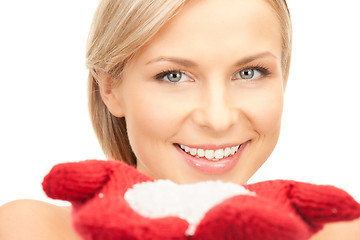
(281, 209)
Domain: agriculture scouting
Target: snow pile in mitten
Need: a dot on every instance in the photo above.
(163, 198)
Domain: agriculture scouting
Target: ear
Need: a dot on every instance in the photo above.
(111, 96)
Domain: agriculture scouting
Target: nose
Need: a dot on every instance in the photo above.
(216, 112)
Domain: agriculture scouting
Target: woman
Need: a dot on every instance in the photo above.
(173, 92)
(200, 85)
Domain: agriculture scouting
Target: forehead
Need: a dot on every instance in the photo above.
(218, 28)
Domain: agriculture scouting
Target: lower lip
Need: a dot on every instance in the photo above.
(212, 167)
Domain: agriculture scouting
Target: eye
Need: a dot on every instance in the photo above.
(173, 76)
(248, 74)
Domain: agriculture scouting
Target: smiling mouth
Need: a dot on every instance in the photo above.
(210, 154)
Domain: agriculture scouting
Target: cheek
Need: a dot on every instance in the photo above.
(265, 111)
(153, 116)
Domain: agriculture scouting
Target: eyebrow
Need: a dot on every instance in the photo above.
(249, 59)
(189, 63)
(179, 61)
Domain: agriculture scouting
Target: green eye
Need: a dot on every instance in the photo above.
(174, 76)
(251, 74)
(247, 74)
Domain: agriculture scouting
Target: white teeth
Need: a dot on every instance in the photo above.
(193, 151)
(227, 152)
(219, 153)
(201, 152)
(187, 149)
(210, 154)
(233, 150)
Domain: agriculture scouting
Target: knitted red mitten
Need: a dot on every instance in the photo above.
(279, 209)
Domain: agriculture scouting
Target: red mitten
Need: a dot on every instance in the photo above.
(281, 210)
(101, 193)
(96, 190)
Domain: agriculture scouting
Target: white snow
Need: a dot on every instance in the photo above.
(164, 198)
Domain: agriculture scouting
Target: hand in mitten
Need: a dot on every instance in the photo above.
(279, 210)
(96, 190)
(112, 200)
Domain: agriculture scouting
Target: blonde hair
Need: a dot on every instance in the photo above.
(119, 29)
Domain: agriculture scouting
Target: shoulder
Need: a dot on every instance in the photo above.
(343, 231)
(31, 219)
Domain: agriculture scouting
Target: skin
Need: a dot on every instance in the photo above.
(212, 106)
(30, 219)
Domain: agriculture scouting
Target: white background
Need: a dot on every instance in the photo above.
(44, 118)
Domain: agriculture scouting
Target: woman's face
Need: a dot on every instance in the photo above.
(203, 100)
